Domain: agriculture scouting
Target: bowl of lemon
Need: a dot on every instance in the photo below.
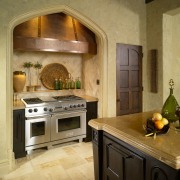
(156, 125)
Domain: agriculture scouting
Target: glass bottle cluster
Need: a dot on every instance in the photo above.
(69, 83)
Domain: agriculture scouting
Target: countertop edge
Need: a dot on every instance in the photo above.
(88, 98)
(18, 105)
(163, 157)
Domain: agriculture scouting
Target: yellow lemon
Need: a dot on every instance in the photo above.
(165, 121)
(157, 117)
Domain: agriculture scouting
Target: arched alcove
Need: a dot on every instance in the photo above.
(102, 56)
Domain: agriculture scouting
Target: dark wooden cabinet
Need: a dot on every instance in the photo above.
(121, 163)
(91, 114)
(156, 170)
(117, 160)
(19, 133)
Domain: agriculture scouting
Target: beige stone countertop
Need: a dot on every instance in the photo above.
(129, 128)
(89, 98)
(18, 104)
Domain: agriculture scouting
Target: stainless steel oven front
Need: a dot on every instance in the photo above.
(37, 130)
(68, 125)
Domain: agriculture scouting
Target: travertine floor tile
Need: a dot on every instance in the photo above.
(68, 162)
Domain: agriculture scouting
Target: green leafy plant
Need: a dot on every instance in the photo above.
(28, 65)
(37, 66)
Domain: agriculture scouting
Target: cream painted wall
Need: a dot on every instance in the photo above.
(120, 21)
(176, 55)
(171, 55)
(160, 25)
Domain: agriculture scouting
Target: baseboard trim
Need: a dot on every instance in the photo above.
(4, 168)
(7, 165)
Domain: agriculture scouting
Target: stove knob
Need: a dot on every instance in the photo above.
(45, 109)
(82, 105)
(66, 108)
(79, 105)
(35, 110)
(30, 110)
(71, 106)
(74, 106)
(51, 109)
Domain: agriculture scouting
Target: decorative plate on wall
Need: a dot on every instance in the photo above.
(51, 72)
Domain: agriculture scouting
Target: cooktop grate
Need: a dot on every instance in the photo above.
(67, 98)
(32, 100)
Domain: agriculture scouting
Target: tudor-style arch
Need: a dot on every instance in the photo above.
(101, 55)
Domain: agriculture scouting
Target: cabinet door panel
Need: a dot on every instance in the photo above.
(19, 133)
(121, 163)
(91, 114)
(114, 163)
(134, 167)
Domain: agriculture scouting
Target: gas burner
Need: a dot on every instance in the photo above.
(67, 98)
(32, 101)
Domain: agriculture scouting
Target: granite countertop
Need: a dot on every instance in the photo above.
(18, 104)
(129, 128)
(89, 98)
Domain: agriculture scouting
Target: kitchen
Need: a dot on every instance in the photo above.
(129, 16)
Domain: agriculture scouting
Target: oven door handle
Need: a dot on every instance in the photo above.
(37, 117)
(70, 112)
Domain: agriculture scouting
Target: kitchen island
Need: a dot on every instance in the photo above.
(122, 151)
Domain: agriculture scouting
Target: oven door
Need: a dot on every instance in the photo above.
(37, 130)
(68, 124)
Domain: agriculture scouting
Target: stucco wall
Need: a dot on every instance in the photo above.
(171, 53)
(72, 62)
(176, 56)
(160, 34)
(121, 21)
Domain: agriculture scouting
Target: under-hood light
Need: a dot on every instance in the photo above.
(39, 26)
(56, 37)
(74, 27)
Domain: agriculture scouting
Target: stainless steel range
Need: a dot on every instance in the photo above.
(54, 120)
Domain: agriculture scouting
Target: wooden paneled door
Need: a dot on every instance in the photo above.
(128, 79)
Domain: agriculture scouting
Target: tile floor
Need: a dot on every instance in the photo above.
(67, 162)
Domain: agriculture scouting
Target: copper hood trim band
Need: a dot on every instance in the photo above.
(53, 45)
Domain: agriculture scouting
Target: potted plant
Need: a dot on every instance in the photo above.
(37, 66)
(28, 66)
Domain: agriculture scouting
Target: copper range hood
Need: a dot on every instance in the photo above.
(55, 33)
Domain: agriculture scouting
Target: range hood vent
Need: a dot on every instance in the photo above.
(55, 33)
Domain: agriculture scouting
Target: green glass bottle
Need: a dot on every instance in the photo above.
(78, 83)
(66, 83)
(170, 105)
(56, 84)
(60, 84)
(72, 84)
